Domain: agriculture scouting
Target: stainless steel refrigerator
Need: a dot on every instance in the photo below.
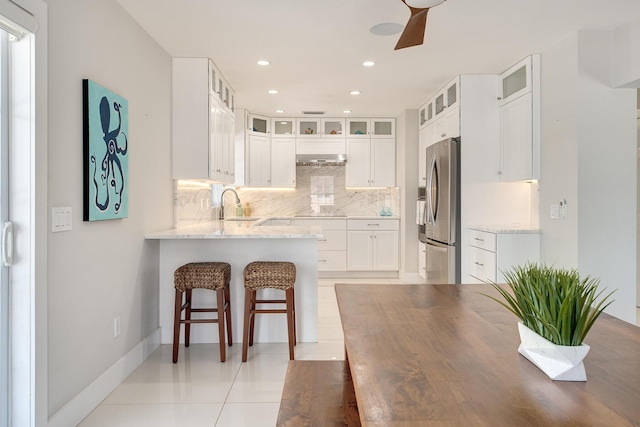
(442, 212)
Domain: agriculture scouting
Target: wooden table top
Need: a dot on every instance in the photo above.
(445, 355)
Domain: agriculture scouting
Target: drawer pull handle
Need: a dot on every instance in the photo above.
(478, 239)
(322, 260)
(377, 225)
(322, 240)
(477, 263)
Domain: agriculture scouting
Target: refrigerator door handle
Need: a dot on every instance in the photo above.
(431, 216)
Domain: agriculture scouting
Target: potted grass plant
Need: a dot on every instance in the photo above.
(556, 308)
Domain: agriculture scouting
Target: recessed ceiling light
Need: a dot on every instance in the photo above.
(279, 111)
(272, 91)
(263, 62)
(346, 111)
(386, 29)
(369, 63)
(355, 92)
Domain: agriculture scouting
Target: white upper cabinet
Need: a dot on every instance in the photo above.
(371, 128)
(516, 81)
(258, 161)
(283, 162)
(371, 163)
(371, 152)
(283, 127)
(519, 98)
(448, 97)
(260, 125)
(308, 127)
(202, 123)
(316, 127)
(332, 128)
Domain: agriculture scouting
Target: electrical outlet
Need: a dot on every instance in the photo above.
(116, 326)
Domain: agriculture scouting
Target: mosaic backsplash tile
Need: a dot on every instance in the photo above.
(319, 191)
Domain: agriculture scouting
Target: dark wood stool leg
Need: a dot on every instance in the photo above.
(295, 331)
(176, 324)
(221, 310)
(290, 321)
(187, 318)
(254, 297)
(247, 320)
(227, 297)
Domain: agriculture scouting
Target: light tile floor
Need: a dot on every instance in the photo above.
(201, 391)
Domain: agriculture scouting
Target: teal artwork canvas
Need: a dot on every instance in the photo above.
(105, 151)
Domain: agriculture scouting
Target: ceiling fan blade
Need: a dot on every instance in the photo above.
(413, 34)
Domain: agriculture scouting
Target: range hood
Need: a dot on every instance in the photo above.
(321, 159)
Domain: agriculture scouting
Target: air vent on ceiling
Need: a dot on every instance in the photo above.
(313, 113)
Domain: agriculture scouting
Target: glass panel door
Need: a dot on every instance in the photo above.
(514, 82)
(4, 215)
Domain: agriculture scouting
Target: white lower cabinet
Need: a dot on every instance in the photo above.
(492, 253)
(332, 246)
(372, 245)
(422, 260)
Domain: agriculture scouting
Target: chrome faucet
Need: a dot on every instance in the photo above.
(221, 215)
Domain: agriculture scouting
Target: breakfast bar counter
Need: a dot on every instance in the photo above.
(446, 355)
(239, 243)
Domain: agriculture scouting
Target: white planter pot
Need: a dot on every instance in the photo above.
(559, 362)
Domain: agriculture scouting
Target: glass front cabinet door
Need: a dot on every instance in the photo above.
(283, 127)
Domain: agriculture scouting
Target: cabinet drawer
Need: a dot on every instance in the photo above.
(373, 224)
(325, 224)
(333, 240)
(332, 260)
(482, 239)
(482, 264)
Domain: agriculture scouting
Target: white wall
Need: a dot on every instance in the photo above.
(558, 154)
(589, 158)
(104, 269)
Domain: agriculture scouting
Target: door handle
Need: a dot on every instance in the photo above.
(7, 244)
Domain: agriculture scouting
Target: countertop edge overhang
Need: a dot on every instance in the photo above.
(251, 229)
(237, 230)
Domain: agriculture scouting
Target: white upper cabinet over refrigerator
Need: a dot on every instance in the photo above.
(203, 121)
(519, 101)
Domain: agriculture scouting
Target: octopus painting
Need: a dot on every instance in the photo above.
(105, 153)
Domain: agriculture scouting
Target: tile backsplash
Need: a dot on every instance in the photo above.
(319, 191)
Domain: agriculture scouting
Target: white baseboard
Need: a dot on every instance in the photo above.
(88, 399)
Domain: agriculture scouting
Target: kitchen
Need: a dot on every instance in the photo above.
(578, 114)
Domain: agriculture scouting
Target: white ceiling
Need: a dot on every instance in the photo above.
(316, 47)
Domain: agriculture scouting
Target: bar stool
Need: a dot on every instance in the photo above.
(268, 275)
(202, 275)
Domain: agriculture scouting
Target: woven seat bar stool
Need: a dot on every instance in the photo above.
(202, 275)
(268, 275)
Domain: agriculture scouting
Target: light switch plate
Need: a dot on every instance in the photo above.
(554, 212)
(61, 219)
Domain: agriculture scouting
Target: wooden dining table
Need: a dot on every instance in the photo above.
(446, 355)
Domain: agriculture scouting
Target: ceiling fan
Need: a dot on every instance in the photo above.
(413, 34)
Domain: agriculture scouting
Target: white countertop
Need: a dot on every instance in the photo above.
(237, 230)
(507, 228)
(251, 228)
